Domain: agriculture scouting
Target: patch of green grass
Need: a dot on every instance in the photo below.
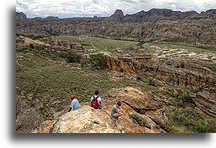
(101, 43)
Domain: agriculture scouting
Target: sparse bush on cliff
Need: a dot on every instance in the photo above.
(141, 121)
(154, 83)
(73, 57)
(97, 61)
(31, 46)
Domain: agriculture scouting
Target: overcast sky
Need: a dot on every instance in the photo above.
(78, 8)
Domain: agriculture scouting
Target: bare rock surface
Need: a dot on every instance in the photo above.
(84, 120)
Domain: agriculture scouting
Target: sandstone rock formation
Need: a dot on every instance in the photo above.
(52, 42)
(172, 71)
(126, 63)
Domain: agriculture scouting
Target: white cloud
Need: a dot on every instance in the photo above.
(70, 8)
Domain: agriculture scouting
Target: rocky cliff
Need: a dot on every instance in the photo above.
(176, 73)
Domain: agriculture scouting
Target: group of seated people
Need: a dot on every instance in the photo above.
(96, 103)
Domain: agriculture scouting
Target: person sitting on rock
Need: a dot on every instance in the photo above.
(116, 110)
(74, 103)
(96, 101)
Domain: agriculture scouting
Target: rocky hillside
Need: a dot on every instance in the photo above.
(160, 92)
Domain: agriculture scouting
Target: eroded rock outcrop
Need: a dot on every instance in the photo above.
(205, 100)
(126, 63)
(66, 44)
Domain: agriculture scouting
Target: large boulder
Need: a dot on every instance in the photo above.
(82, 120)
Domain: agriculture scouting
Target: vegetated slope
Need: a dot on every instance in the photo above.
(45, 80)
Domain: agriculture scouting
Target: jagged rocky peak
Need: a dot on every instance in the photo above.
(118, 15)
(20, 15)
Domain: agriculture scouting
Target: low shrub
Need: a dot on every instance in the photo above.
(97, 61)
(73, 57)
(192, 120)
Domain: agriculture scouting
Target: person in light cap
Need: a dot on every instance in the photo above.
(74, 103)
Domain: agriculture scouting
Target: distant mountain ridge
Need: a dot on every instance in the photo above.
(152, 16)
(157, 14)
